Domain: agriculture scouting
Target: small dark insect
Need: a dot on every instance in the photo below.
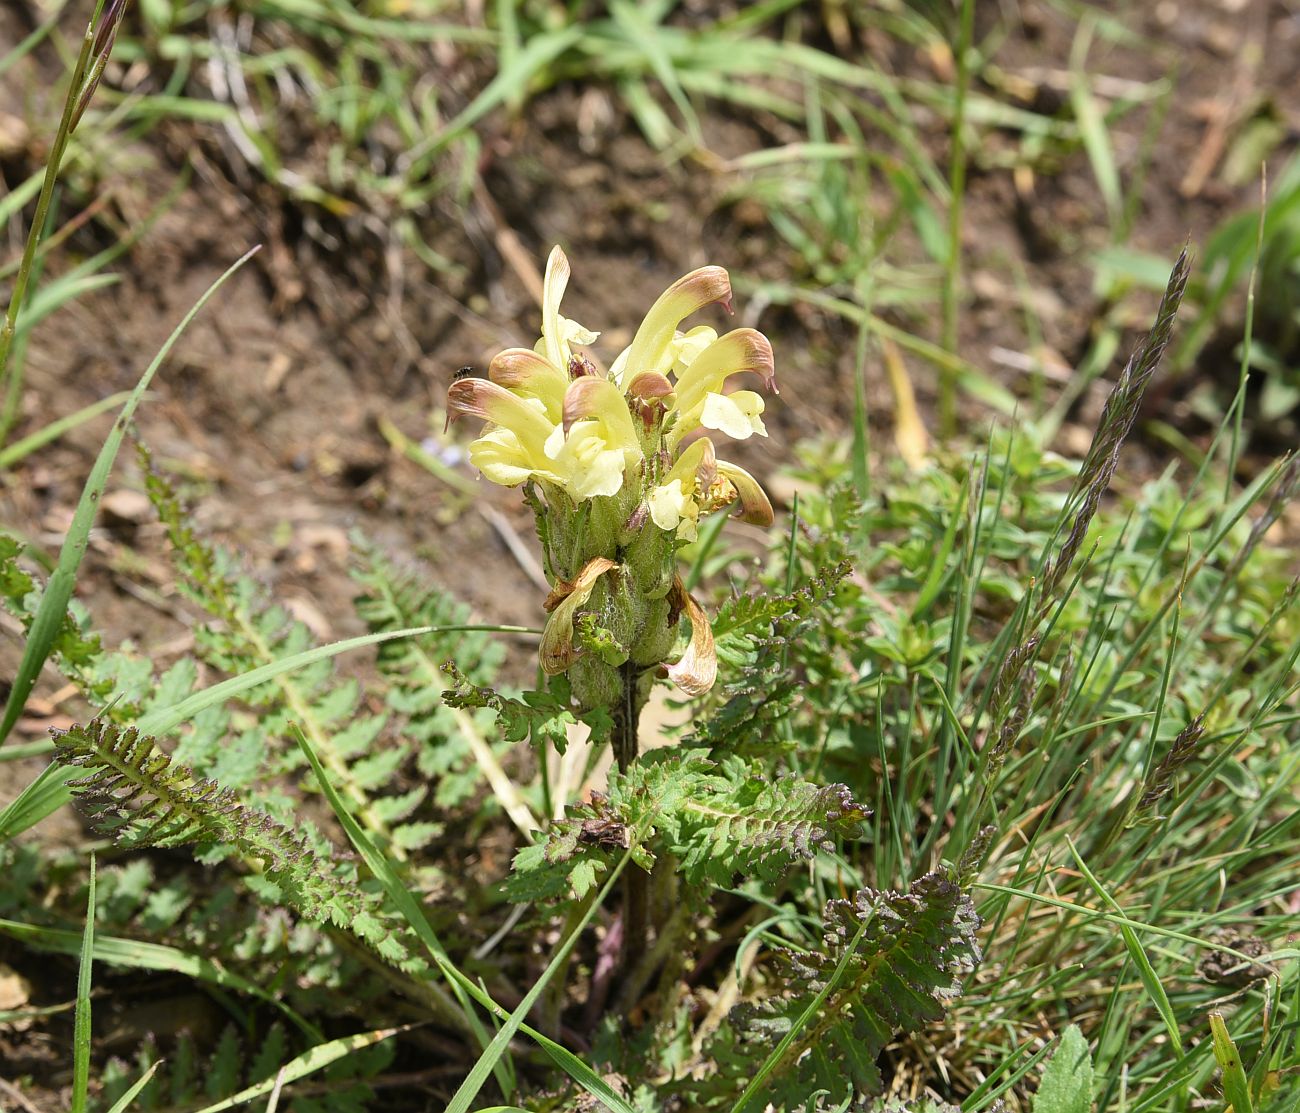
(464, 373)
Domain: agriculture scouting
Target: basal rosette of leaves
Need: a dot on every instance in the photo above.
(619, 466)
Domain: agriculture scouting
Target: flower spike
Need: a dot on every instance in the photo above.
(618, 478)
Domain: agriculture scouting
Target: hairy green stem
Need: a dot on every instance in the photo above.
(627, 716)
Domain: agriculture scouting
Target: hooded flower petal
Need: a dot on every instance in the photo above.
(557, 650)
(526, 418)
(649, 385)
(529, 375)
(595, 410)
(675, 503)
(600, 399)
(695, 673)
(502, 459)
(742, 349)
(651, 348)
(552, 344)
(559, 333)
(755, 506)
(696, 465)
(670, 506)
(590, 465)
(687, 345)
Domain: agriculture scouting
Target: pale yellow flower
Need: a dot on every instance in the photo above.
(555, 419)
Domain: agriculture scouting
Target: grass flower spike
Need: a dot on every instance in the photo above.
(620, 466)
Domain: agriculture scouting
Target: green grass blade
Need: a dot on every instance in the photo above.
(407, 905)
(405, 901)
(1092, 126)
(631, 19)
(1235, 1087)
(540, 51)
(778, 1052)
(149, 956)
(67, 122)
(15, 371)
(957, 194)
(45, 795)
(939, 570)
(1146, 972)
(469, 1089)
(426, 460)
(54, 602)
(55, 429)
(54, 296)
(81, 1023)
(1118, 919)
(32, 40)
(124, 1102)
(1237, 410)
(13, 201)
(317, 1058)
(860, 454)
(49, 791)
(163, 719)
(18, 753)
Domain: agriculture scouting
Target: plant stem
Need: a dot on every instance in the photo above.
(672, 922)
(957, 186)
(38, 226)
(627, 716)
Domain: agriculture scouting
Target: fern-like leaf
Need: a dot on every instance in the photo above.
(396, 597)
(135, 792)
(752, 633)
(717, 820)
(75, 647)
(248, 633)
(889, 964)
(541, 717)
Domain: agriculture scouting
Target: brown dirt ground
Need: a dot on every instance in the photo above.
(270, 404)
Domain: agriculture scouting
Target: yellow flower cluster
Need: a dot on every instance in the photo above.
(627, 468)
(554, 418)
